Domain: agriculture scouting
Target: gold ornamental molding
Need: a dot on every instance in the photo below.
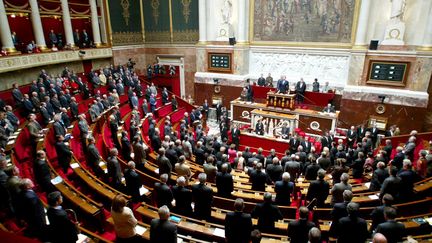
(122, 38)
(19, 62)
(186, 36)
(155, 5)
(158, 36)
(186, 9)
(126, 14)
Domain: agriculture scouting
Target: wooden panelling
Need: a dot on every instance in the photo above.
(206, 91)
(357, 112)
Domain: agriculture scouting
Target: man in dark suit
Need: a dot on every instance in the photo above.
(329, 108)
(205, 109)
(238, 225)
(293, 167)
(318, 189)
(258, 178)
(307, 145)
(114, 170)
(391, 184)
(398, 158)
(282, 85)
(224, 182)
(183, 197)
(235, 135)
(300, 90)
(339, 211)
(408, 177)
(259, 128)
(294, 143)
(377, 214)
(93, 157)
(352, 228)
(163, 193)
(199, 153)
(162, 230)
(165, 96)
(16, 94)
(267, 214)
(164, 164)
(392, 230)
(298, 230)
(274, 170)
(155, 140)
(59, 128)
(31, 210)
(42, 172)
(378, 177)
(351, 137)
(61, 227)
(64, 153)
(53, 38)
(285, 130)
(218, 111)
(284, 189)
(361, 131)
(203, 198)
(374, 135)
(133, 181)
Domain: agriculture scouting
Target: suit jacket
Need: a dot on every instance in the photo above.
(235, 135)
(203, 198)
(224, 184)
(64, 153)
(312, 172)
(306, 146)
(318, 189)
(398, 160)
(238, 227)
(30, 209)
(165, 97)
(259, 128)
(267, 215)
(41, 172)
(163, 231)
(357, 167)
(293, 168)
(62, 229)
(338, 190)
(199, 156)
(391, 185)
(274, 172)
(300, 87)
(133, 182)
(283, 192)
(114, 171)
(352, 230)
(163, 194)
(258, 179)
(59, 129)
(392, 230)
(298, 230)
(165, 166)
(183, 200)
(93, 156)
(34, 129)
(378, 178)
(74, 109)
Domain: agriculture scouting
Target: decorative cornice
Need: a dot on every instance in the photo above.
(123, 38)
(13, 63)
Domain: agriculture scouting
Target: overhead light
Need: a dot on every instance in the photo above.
(13, 16)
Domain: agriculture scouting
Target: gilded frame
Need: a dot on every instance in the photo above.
(304, 44)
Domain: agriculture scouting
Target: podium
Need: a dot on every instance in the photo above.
(281, 100)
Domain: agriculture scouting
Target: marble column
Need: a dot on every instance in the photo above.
(242, 35)
(67, 23)
(427, 38)
(95, 23)
(362, 25)
(202, 21)
(37, 25)
(5, 32)
(104, 35)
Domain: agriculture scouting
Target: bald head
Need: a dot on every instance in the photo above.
(379, 238)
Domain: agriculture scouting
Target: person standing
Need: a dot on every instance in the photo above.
(203, 198)
(62, 228)
(267, 214)
(162, 230)
(238, 225)
(124, 221)
(315, 85)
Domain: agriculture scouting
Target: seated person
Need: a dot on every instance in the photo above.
(259, 128)
(329, 109)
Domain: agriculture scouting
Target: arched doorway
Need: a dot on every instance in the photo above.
(177, 83)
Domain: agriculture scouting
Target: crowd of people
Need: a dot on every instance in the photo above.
(52, 99)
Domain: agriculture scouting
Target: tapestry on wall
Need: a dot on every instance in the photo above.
(303, 20)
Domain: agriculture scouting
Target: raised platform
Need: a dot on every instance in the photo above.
(310, 121)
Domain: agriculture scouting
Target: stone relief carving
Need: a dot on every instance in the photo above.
(295, 65)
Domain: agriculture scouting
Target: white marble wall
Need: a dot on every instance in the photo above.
(327, 66)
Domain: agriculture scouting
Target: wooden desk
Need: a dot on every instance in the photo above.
(281, 100)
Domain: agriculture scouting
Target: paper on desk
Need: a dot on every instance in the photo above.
(83, 238)
(219, 232)
(156, 171)
(374, 197)
(57, 180)
(74, 165)
(367, 184)
(179, 240)
(143, 190)
(101, 163)
(140, 230)
(11, 142)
